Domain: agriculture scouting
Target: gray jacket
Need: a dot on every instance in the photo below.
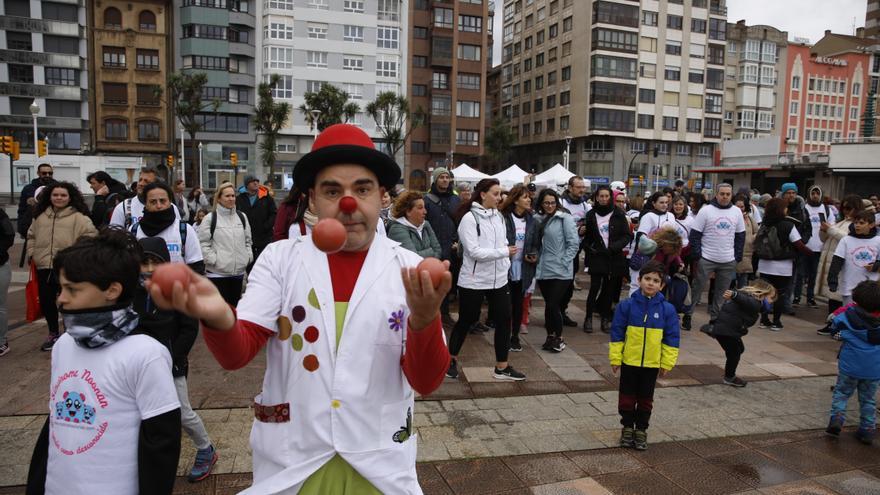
(425, 245)
(558, 245)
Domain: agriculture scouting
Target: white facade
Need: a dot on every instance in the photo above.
(359, 46)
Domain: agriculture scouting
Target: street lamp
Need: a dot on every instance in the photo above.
(201, 146)
(182, 155)
(35, 110)
(567, 151)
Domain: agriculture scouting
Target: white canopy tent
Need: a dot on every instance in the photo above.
(464, 173)
(511, 176)
(555, 176)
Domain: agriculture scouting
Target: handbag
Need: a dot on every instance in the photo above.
(32, 297)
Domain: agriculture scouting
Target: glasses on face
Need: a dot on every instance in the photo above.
(46, 174)
(549, 203)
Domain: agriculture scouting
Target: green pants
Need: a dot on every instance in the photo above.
(337, 477)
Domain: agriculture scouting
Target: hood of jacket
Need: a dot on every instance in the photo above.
(871, 233)
(716, 204)
(406, 223)
(809, 194)
(67, 211)
(566, 195)
(478, 210)
(641, 299)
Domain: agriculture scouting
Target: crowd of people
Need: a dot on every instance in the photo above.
(649, 261)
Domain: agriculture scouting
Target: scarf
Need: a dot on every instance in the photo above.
(155, 222)
(99, 327)
(310, 218)
(603, 210)
(405, 221)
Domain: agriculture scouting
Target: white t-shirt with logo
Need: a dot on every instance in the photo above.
(117, 218)
(603, 223)
(719, 227)
(782, 268)
(519, 229)
(97, 400)
(578, 210)
(815, 243)
(652, 222)
(172, 239)
(857, 254)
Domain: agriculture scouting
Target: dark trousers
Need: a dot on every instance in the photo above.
(733, 349)
(470, 301)
(553, 291)
(781, 284)
(569, 290)
(230, 288)
(49, 288)
(808, 270)
(603, 289)
(516, 309)
(635, 399)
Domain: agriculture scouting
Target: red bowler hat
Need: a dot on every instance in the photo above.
(340, 144)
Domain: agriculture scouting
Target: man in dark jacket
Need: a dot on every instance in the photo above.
(441, 204)
(27, 200)
(258, 205)
(797, 210)
(108, 192)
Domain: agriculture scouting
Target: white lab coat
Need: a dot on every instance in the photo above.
(358, 398)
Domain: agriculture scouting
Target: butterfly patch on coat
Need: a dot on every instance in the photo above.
(404, 432)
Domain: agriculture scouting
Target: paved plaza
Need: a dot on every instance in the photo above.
(552, 434)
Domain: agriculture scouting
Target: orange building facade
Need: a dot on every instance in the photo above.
(824, 99)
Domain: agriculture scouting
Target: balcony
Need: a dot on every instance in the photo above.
(40, 91)
(43, 26)
(242, 19)
(50, 59)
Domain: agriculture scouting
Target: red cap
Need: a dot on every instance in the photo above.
(345, 143)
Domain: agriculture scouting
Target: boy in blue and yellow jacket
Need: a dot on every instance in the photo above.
(859, 361)
(644, 343)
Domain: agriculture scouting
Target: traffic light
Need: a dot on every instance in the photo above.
(170, 161)
(42, 147)
(16, 151)
(656, 152)
(233, 159)
(6, 144)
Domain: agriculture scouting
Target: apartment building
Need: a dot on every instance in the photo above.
(359, 46)
(217, 37)
(755, 81)
(825, 94)
(130, 57)
(450, 56)
(43, 54)
(872, 19)
(629, 82)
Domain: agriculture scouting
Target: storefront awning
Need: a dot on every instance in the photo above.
(721, 170)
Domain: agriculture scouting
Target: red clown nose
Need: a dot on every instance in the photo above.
(348, 204)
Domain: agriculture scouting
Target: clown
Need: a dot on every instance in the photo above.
(349, 336)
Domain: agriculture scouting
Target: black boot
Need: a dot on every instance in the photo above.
(588, 324)
(686, 322)
(605, 325)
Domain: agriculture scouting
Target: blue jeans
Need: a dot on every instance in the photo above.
(845, 388)
(809, 268)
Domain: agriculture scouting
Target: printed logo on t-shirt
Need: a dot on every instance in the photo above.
(78, 403)
(603, 230)
(863, 255)
(723, 224)
(814, 219)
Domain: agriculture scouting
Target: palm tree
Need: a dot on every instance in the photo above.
(269, 118)
(186, 92)
(391, 113)
(332, 105)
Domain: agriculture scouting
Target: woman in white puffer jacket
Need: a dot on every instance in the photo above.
(225, 237)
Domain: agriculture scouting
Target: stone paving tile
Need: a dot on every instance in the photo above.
(581, 486)
(473, 477)
(600, 462)
(663, 453)
(431, 481)
(803, 487)
(643, 482)
(699, 476)
(851, 483)
(800, 457)
(543, 469)
(755, 469)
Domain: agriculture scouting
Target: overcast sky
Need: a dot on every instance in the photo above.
(801, 18)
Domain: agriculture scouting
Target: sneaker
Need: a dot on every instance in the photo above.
(865, 435)
(640, 440)
(836, 336)
(49, 343)
(558, 345)
(515, 347)
(523, 329)
(686, 322)
(707, 329)
(605, 325)
(4, 349)
(796, 302)
(826, 331)
(548, 344)
(588, 325)
(765, 324)
(452, 372)
(567, 321)
(811, 303)
(776, 327)
(835, 425)
(509, 374)
(205, 460)
(735, 382)
(627, 437)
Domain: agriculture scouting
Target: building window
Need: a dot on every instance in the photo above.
(713, 103)
(116, 129)
(470, 109)
(204, 62)
(468, 81)
(389, 10)
(283, 89)
(419, 61)
(565, 98)
(148, 59)
(388, 37)
(568, 25)
(21, 73)
(605, 66)
(673, 47)
(564, 123)
(612, 120)
(470, 24)
(647, 96)
(647, 44)
(114, 56)
(278, 31)
(386, 66)
(353, 62)
(674, 21)
(857, 89)
(115, 93)
(419, 90)
(147, 94)
(647, 70)
(468, 52)
(317, 31)
(646, 121)
(356, 91)
(356, 6)
(670, 123)
(147, 21)
(420, 33)
(694, 125)
(609, 39)
(55, 11)
(418, 147)
(353, 33)
(683, 149)
(148, 130)
(614, 13)
(672, 73)
(695, 76)
(440, 80)
(60, 44)
(206, 31)
(280, 4)
(698, 25)
(112, 18)
(712, 128)
(464, 137)
(715, 79)
(18, 41)
(443, 18)
(649, 18)
(717, 30)
(716, 55)
(319, 4)
(313, 59)
(612, 93)
(63, 108)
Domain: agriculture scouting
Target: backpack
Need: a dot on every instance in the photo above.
(214, 222)
(768, 244)
(121, 197)
(183, 231)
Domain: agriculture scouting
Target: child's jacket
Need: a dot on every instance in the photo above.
(860, 352)
(737, 315)
(644, 333)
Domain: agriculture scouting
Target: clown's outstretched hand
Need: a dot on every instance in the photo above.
(422, 297)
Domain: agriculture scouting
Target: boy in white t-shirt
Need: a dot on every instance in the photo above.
(855, 257)
(114, 415)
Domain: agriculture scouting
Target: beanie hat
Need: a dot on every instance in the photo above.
(438, 172)
(789, 186)
(250, 178)
(647, 246)
(345, 143)
(155, 247)
(756, 198)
